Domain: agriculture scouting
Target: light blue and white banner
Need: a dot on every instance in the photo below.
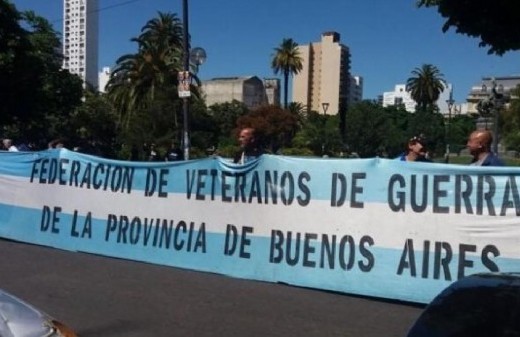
(373, 227)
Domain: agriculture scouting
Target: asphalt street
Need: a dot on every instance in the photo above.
(102, 296)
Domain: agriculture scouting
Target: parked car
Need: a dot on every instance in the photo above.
(20, 319)
(481, 305)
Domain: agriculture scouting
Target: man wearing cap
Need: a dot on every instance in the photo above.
(479, 146)
(416, 150)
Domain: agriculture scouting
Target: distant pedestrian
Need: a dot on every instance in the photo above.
(479, 146)
(174, 153)
(57, 143)
(153, 154)
(9, 146)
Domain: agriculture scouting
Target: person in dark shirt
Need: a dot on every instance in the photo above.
(174, 153)
(479, 146)
(249, 148)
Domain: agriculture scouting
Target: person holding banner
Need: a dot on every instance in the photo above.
(249, 148)
(415, 150)
(479, 146)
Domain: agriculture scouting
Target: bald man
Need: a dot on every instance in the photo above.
(479, 146)
(249, 148)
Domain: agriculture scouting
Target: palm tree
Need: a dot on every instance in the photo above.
(287, 60)
(137, 78)
(299, 111)
(426, 85)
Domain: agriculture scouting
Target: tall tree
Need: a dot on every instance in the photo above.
(494, 22)
(370, 131)
(225, 117)
(288, 61)
(425, 86)
(92, 126)
(139, 80)
(511, 121)
(37, 95)
(274, 126)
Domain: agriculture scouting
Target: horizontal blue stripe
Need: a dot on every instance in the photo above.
(382, 280)
(276, 177)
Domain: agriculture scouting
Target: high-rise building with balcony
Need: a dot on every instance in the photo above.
(80, 39)
(324, 82)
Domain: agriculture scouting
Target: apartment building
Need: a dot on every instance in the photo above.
(323, 85)
(80, 39)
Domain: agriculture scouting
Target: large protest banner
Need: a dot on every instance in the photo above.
(374, 227)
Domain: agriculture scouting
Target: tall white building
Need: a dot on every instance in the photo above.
(80, 39)
(103, 78)
(399, 97)
(402, 97)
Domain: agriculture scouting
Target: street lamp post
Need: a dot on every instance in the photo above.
(497, 104)
(325, 107)
(195, 56)
(186, 68)
(450, 103)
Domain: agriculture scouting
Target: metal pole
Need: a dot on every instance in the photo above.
(450, 103)
(494, 145)
(186, 67)
(325, 106)
(495, 128)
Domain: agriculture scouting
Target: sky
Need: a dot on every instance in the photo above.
(387, 39)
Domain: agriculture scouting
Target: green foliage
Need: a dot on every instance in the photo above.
(459, 129)
(275, 127)
(511, 122)
(376, 131)
(145, 83)
(320, 135)
(494, 22)
(371, 131)
(431, 125)
(225, 116)
(92, 127)
(37, 96)
(205, 132)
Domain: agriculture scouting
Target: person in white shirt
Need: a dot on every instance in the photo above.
(8, 145)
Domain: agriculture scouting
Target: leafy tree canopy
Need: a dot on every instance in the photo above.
(274, 126)
(494, 22)
(36, 94)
